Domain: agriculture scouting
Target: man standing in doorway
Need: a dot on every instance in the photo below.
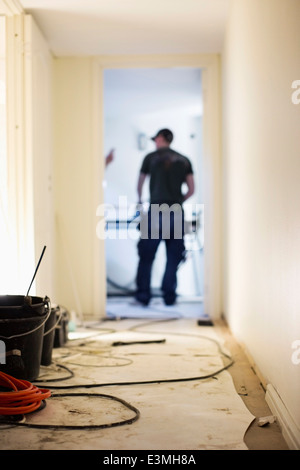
(168, 170)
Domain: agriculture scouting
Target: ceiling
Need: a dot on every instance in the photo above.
(101, 27)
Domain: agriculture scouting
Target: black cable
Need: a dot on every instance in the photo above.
(144, 382)
(84, 426)
(123, 343)
(134, 328)
(123, 288)
(126, 362)
(71, 374)
(171, 380)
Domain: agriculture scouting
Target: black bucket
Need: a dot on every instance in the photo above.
(61, 331)
(22, 323)
(49, 334)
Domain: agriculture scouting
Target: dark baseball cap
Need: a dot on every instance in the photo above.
(166, 134)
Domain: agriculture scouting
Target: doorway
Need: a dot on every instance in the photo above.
(138, 102)
(211, 178)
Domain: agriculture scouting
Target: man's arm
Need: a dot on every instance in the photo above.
(141, 181)
(191, 186)
(109, 158)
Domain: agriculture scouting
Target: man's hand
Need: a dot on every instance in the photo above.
(109, 158)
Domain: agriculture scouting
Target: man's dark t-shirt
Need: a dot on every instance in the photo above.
(167, 170)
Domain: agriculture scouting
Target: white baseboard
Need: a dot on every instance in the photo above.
(290, 430)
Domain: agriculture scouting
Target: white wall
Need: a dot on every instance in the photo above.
(3, 144)
(26, 199)
(39, 140)
(262, 193)
(78, 186)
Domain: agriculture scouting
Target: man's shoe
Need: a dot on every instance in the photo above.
(170, 302)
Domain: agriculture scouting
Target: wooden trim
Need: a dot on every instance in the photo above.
(99, 268)
(290, 431)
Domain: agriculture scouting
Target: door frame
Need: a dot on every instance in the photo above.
(210, 66)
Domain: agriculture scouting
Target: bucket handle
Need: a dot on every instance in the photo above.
(55, 326)
(48, 307)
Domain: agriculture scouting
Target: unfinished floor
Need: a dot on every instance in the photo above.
(149, 378)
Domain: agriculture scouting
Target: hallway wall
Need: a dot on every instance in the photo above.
(39, 119)
(78, 186)
(261, 168)
(26, 171)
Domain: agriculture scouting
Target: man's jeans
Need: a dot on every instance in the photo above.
(165, 225)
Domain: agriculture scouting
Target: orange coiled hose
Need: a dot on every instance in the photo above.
(23, 397)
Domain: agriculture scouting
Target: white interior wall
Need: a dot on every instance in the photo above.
(2, 97)
(26, 158)
(262, 193)
(40, 145)
(78, 186)
(18, 255)
(4, 235)
(140, 102)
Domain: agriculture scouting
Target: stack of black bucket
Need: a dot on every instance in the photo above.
(29, 330)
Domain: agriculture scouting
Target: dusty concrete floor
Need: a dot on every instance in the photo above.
(249, 388)
(190, 399)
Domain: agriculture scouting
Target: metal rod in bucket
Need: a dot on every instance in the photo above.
(36, 269)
